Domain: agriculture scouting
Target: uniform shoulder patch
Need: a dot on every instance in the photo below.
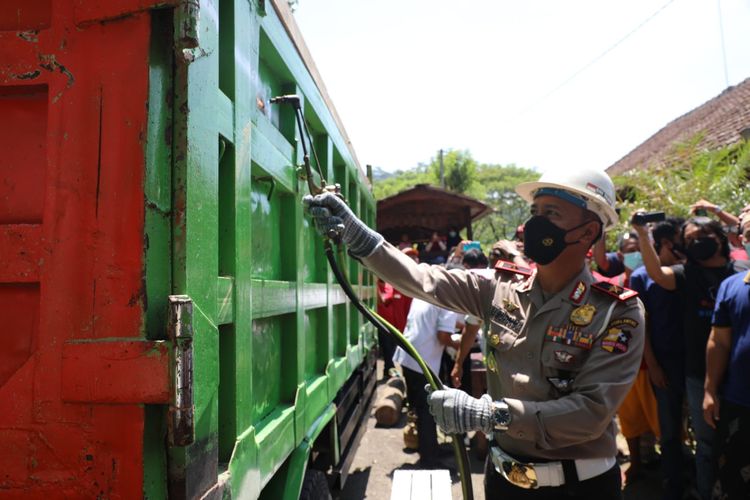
(509, 267)
(619, 292)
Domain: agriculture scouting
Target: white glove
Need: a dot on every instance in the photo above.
(329, 212)
(456, 412)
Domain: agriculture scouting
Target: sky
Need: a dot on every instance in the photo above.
(544, 84)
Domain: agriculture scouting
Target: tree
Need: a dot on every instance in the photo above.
(491, 184)
(459, 170)
(719, 175)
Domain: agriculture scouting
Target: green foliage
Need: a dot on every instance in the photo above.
(459, 170)
(719, 176)
(401, 181)
(496, 187)
(491, 184)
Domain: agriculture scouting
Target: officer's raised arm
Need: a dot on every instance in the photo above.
(454, 290)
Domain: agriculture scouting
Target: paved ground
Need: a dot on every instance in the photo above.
(382, 451)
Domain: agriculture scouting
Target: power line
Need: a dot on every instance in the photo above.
(723, 46)
(596, 59)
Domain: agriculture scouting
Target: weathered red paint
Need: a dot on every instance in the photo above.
(115, 372)
(73, 101)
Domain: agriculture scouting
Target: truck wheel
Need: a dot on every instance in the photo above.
(315, 486)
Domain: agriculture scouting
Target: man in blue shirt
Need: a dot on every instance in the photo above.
(664, 353)
(726, 401)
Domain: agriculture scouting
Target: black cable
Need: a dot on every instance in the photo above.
(462, 455)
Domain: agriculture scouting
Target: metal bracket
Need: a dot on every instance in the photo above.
(181, 407)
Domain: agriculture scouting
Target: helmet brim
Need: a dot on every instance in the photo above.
(526, 191)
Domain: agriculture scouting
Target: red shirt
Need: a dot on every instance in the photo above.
(393, 305)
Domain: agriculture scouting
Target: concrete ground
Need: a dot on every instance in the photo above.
(381, 451)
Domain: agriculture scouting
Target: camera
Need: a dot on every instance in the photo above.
(643, 218)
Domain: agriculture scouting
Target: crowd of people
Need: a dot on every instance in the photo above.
(680, 270)
(656, 331)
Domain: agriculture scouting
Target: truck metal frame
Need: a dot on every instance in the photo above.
(172, 328)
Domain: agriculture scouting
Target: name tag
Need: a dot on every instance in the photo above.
(502, 317)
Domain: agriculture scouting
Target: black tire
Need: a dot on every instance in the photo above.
(315, 486)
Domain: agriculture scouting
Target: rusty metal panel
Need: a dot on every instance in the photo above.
(134, 371)
(73, 110)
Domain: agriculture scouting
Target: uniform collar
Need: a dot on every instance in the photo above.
(576, 292)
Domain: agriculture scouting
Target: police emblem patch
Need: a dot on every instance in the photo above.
(618, 335)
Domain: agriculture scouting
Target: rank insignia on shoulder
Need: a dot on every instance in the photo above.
(509, 267)
(577, 294)
(619, 292)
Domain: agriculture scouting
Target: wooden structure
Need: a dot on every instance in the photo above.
(424, 209)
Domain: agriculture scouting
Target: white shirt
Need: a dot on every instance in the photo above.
(422, 325)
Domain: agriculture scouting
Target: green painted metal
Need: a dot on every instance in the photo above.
(275, 338)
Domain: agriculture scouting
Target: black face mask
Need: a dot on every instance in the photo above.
(702, 249)
(543, 241)
(678, 251)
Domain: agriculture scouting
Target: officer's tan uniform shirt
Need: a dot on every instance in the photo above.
(563, 365)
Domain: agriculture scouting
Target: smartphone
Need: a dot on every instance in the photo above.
(701, 212)
(646, 217)
(471, 244)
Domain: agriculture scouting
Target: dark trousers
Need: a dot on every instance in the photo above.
(605, 486)
(417, 396)
(733, 451)
(669, 402)
(388, 348)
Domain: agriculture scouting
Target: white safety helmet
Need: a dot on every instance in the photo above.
(587, 188)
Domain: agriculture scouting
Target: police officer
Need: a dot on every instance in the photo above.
(562, 351)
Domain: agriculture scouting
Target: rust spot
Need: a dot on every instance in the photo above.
(29, 36)
(28, 76)
(49, 62)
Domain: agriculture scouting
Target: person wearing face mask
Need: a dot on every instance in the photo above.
(638, 414)
(664, 354)
(696, 282)
(562, 349)
(726, 401)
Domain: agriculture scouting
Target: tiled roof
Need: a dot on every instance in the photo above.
(718, 122)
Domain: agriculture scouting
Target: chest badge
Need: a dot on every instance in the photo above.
(509, 306)
(583, 315)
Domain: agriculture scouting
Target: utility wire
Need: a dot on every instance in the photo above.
(596, 59)
(723, 46)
